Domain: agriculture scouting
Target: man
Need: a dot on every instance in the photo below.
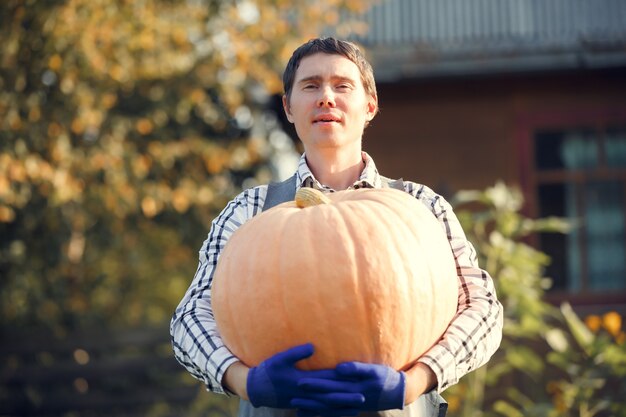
(330, 97)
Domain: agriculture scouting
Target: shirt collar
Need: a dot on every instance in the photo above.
(370, 178)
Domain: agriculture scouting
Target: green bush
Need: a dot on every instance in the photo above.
(584, 371)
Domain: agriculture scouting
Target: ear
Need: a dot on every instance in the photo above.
(286, 108)
(372, 107)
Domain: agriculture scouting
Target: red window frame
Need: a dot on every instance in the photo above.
(527, 125)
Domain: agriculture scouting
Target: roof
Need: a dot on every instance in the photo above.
(420, 38)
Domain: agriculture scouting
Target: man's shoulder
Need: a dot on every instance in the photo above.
(423, 193)
(250, 197)
(414, 188)
(419, 189)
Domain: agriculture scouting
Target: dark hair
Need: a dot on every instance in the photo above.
(330, 46)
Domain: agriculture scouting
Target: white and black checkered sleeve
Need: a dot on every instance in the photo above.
(195, 338)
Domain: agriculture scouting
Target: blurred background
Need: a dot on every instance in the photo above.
(126, 126)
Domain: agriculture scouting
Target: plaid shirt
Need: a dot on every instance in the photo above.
(470, 340)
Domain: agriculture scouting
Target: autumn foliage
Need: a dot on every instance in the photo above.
(124, 127)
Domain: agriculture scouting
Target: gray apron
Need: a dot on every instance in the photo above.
(427, 405)
(281, 192)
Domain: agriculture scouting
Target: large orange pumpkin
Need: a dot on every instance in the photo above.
(368, 275)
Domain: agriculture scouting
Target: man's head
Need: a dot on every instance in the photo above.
(330, 95)
(330, 46)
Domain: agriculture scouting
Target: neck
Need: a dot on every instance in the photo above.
(336, 169)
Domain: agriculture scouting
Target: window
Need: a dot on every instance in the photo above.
(580, 174)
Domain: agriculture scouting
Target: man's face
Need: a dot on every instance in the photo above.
(328, 105)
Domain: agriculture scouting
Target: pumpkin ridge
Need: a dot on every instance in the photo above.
(326, 215)
(249, 282)
(370, 349)
(234, 337)
(410, 283)
(296, 315)
(283, 272)
(409, 225)
(334, 212)
(384, 214)
(403, 224)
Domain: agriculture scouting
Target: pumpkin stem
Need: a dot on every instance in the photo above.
(308, 197)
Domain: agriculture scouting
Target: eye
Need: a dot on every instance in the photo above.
(344, 86)
(309, 87)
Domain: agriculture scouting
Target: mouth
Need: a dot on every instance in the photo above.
(326, 118)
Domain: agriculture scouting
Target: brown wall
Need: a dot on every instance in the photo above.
(462, 133)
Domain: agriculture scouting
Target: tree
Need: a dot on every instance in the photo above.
(124, 127)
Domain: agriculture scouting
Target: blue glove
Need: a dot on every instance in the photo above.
(381, 387)
(275, 382)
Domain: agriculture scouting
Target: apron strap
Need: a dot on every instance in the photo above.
(389, 183)
(280, 192)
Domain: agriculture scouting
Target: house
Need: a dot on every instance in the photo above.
(532, 92)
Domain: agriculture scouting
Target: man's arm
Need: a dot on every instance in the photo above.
(235, 379)
(195, 339)
(420, 379)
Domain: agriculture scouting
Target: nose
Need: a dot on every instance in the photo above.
(327, 98)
